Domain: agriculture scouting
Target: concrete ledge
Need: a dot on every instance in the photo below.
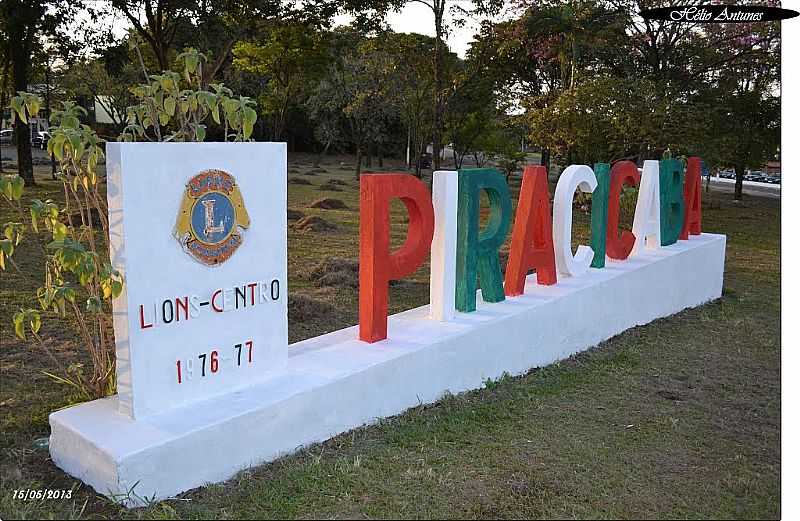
(335, 383)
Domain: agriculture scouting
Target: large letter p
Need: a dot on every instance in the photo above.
(377, 265)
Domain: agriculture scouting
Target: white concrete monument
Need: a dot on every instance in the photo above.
(205, 387)
(198, 231)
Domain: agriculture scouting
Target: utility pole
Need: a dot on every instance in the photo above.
(408, 149)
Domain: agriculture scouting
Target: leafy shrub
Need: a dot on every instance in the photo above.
(78, 277)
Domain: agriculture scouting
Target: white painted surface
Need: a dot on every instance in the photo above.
(146, 184)
(335, 383)
(647, 217)
(574, 177)
(443, 246)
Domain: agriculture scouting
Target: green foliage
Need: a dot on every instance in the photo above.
(24, 105)
(176, 107)
(360, 88)
(76, 259)
(291, 57)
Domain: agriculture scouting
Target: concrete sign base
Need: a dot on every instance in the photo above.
(335, 382)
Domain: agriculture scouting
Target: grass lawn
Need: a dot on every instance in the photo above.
(678, 418)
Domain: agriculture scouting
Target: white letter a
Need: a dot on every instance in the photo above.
(647, 219)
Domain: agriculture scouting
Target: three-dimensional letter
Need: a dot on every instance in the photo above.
(619, 245)
(647, 218)
(532, 237)
(377, 265)
(671, 187)
(600, 214)
(573, 178)
(477, 251)
(692, 216)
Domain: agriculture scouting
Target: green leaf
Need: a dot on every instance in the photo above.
(18, 107)
(250, 116)
(69, 294)
(94, 305)
(34, 104)
(116, 288)
(36, 321)
(7, 247)
(230, 107)
(19, 324)
(169, 105)
(191, 61)
(59, 230)
(17, 186)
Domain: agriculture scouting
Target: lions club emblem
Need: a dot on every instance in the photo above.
(212, 217)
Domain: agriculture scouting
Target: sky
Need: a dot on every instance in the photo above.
(414, 17)
(418, 18)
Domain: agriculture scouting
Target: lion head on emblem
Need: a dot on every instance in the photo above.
(212, 217)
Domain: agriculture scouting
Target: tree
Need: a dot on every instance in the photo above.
(748, 123)
(438, 7)
(5, 76)
(361, 85)
(160, 24)
(598, 82)
(472, 115)
(290, 57)
(104, 82)
(415, 71)
(214, 26)
(23, 23)
(549, 50)
(377, 10)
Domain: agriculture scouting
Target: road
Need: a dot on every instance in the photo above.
(9, 152)
(748, 188)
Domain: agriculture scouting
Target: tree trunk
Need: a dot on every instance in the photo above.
(544, 159)
(160, 51)
(22, 131)
(438, 102)
(380, 155)
(358, 160)
(4, 101)
(47, 110)
(737, 190)
(323, 152)
(368, 161)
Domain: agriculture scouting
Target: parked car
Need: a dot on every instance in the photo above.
(727, 174)
(756, 176)
(6, 136)
(773, 180)
(40, 139)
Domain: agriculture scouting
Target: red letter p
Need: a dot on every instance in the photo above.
(377, 265)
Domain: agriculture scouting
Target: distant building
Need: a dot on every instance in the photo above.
(104, 111)
(773, 167)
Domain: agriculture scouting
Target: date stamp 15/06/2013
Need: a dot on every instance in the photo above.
(42, 494)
